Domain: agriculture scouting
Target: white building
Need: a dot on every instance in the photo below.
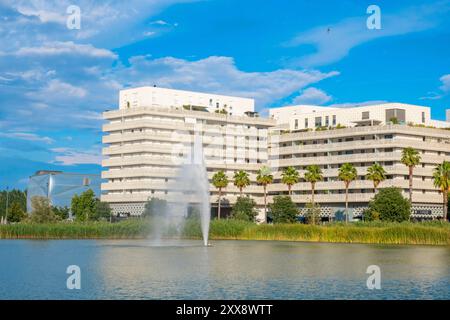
(154, 127)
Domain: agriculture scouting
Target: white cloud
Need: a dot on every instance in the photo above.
(149, 33)
(444, 89)
(219, 75)
(312, 96)
(66, 48)
(445, 83)
(27, 136)
(69, 156)
(58, 90)
(334, 42)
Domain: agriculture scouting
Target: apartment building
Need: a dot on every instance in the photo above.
(152, 133)
(151, 136)
(361, 136)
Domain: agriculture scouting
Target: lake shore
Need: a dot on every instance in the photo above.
(429, 233)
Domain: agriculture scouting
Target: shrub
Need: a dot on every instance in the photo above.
(312, 215)
(391, 205)
(61, 212)
(16, 213)
(102, 211)
(283, 210)
(83, 206)
(154, 207)
(244, 209)
(42, 211)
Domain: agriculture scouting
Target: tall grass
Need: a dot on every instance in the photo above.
(429, 233)
(91, 230)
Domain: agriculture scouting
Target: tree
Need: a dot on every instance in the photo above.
(441, 177)
(16, 213)
(289, 177)
(410, 158)
(241, 180)
(347, 174)
(312, 213)
(377, 174)
(14, 195)
(42, 210)
(244, 209)
(283, 210)
(313, 175)
(102, 211)
(264, 178)
(154, 207)
(83, 206)
(390, 205)
(61, 212)
(219, 181)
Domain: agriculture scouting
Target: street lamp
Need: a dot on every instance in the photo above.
(7, 200)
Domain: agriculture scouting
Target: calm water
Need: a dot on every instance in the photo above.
(227, 270)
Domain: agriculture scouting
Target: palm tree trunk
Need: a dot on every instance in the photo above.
(346, 203)
(410, 184)
(445, 195)
(290, 189)
(240, 189)
(218, 209)
(265, 204)
(312, 202)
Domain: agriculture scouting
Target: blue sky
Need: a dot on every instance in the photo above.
(55, 82)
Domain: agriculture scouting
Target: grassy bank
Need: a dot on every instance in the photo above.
(433, 233)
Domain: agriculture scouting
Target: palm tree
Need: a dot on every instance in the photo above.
(410, 158)
(441, 177)
(241, 180)
(264, 178)
(220, 181)
(377, 174)
(289, 177)
(347, 173)
(313, 174)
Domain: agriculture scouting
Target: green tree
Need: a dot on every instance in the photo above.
(390, 204)
(441, 179)
(83, 206)
(154, 207)
(377, 174)
(42, 211)
(219, 181)
(16, 213)
(61, 212)
(241, 180)
(14, 195)
(102, 211)
(410, 158)
(244, 209)
(347, 174)
(283, 210)
(313, 175)
(289, 177)
(264, 178)
(312, 213)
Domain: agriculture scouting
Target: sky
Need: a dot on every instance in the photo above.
(56, 80)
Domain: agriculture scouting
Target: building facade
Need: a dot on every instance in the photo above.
(149, 139)
(153, 130)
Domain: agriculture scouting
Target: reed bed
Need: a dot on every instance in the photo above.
(428, 233)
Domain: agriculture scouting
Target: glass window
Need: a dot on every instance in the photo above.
(334, 120)
(306, 122)
(365, 115)
(318, 122)
(327, 121)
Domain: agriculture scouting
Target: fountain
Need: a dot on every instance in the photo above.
(190, 189)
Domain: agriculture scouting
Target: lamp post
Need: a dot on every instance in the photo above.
(7, 203)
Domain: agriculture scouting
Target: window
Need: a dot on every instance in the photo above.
(296, 124)
(327, 121)
(334, 120)
(318, 122)
(306, 122)
(217, 105)
(365, 115)
(395, 115)
(423, 117)
(210, 102)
